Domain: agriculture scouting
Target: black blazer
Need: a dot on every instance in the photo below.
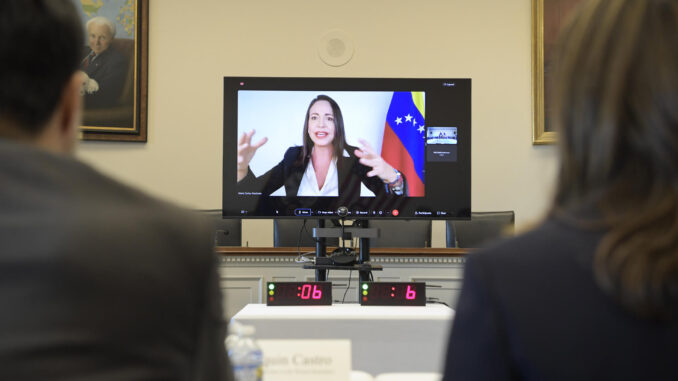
(109, 69)
(530, 309)
(290, 171)
(99, 281)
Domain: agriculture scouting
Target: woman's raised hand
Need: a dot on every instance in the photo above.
(246, 151)
(370, 158)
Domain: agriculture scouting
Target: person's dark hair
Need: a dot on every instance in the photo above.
(616, 109)
(40, 45)
(339, 141)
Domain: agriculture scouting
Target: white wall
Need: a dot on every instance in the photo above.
(193, 44)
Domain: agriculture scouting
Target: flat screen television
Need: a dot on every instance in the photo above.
(380, 147)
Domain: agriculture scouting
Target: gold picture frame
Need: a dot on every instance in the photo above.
(547, 19)
(119, 114)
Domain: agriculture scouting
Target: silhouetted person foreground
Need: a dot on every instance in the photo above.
(97, 280)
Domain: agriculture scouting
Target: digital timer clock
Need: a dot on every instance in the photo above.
(299, 293)
(393, 293)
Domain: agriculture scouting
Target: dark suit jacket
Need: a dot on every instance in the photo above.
(530, 310)
(109, 69)
(100, 282)
(290, 171)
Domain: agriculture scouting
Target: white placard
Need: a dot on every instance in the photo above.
(306, 360)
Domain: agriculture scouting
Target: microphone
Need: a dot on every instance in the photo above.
(343, 255)
(342, 211)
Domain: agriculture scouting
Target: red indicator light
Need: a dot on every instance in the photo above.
(395, 212)
(364, 298)
(393, 295)
(242, 83)
(271, 299)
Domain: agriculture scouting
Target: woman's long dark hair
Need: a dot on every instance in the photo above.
(616, 110)
(339, 141)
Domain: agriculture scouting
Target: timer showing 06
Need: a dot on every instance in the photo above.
(305, 292)
(302, 291)
(299, 293)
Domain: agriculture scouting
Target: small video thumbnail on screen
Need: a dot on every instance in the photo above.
(441, 144)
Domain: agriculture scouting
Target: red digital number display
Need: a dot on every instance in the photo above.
(393, 293)
(310, 291)
(298, 293)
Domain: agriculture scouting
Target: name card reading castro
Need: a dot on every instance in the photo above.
(299, 293)
(306, 360)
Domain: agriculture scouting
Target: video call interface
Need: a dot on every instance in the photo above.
(383, 148)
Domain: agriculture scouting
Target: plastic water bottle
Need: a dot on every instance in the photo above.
(246, 357)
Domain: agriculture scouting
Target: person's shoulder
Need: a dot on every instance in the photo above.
(112, 56)
(123, 211)
(80, 204)
(292, 154)
(87, 188)
(349, 152)
(294, 150)
(550, 241)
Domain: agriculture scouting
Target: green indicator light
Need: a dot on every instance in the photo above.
(365, 286)
(364, 292)
(271, 292)
(271, 286)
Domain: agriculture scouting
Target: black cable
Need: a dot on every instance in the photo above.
(343, 243)
(301, 257)
(315, 240)
(303, 225)
(347, 287)
(436, 301)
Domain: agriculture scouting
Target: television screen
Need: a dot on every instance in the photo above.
(381, 147)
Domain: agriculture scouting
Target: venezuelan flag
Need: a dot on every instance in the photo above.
(404, 138)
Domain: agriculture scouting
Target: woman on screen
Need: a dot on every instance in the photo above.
(325, 165)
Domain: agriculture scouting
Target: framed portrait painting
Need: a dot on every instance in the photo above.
(548, 16)
(115, 62)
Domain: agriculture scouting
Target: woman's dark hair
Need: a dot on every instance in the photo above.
(339, 141)
(616, 109)
(40, 44)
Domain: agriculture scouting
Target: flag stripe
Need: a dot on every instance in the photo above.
(403, 163)
(418, 99)
(404, 138)
(403, 107)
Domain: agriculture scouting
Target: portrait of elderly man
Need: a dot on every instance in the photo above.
(106, 68)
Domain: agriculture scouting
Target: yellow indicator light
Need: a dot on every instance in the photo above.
(271, 292)
(364, 292)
